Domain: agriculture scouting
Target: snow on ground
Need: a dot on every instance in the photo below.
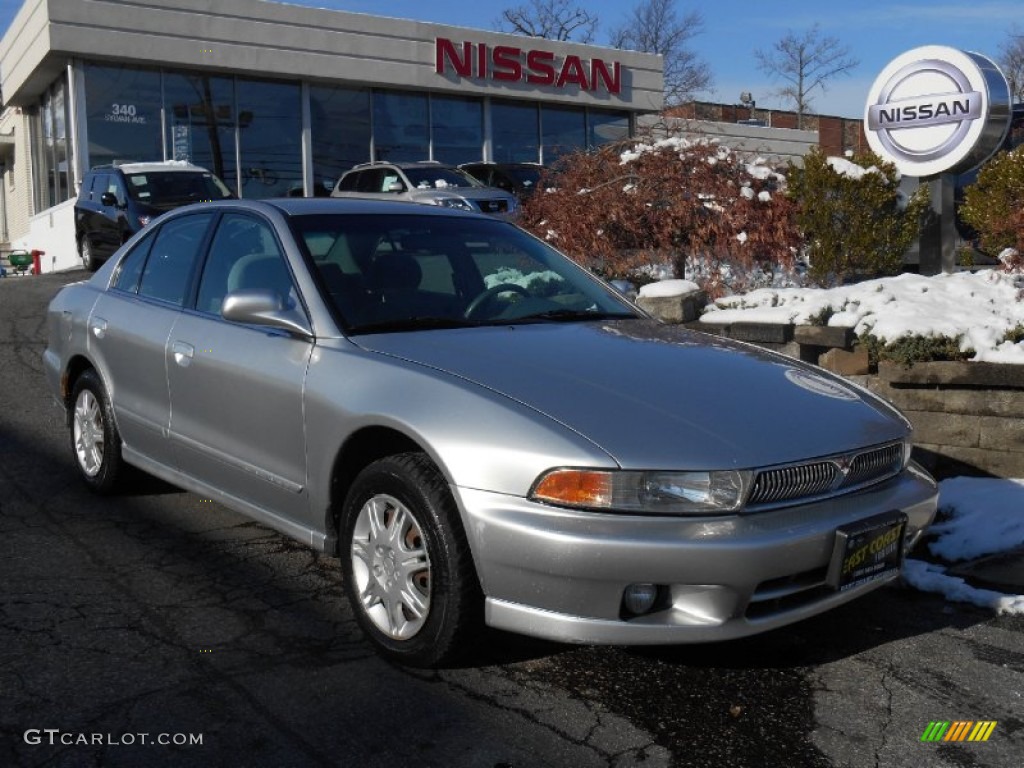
(977, 307)
(985, 517)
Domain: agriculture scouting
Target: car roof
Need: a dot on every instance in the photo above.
(312, 206)
(494, 164)
(401, 164)
(170, 165)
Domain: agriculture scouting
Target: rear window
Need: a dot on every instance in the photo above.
(175, 187)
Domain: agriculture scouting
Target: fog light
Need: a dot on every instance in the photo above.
(640, 598)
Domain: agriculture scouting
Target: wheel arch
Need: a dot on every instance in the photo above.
(360, 449)
(76, 366)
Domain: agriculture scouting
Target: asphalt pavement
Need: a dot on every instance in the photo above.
(154, 628)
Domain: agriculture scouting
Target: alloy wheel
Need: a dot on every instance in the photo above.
(391, 567)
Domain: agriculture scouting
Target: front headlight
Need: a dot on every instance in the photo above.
(454, 202)
(655, 493)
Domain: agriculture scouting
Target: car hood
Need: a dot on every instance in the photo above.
(657, 396)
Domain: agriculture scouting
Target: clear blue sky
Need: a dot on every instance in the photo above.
(876, 31)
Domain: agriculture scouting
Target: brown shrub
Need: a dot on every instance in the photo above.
(712, 215)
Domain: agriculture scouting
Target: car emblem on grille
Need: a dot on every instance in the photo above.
(843, 464)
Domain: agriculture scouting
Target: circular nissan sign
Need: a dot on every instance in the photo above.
(938, 110)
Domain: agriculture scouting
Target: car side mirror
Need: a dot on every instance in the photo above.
(396, 186)
(108, 198)
(261, 306)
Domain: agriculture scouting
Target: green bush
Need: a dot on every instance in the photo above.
(916, 348)
(854, 226)
(992, 205)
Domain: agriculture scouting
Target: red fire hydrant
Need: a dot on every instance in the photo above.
(37, 263)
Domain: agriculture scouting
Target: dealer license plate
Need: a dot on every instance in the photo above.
(867, 551)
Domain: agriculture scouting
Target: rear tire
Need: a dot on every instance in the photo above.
(408, 571)
(89, 260)
(95, 441)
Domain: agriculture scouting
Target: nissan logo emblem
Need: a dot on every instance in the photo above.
(935, 110)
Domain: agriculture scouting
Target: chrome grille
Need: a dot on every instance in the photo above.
(871, 465)
(830, 476)
(787, 483)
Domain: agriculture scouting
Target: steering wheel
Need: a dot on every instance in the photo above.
(490, 293)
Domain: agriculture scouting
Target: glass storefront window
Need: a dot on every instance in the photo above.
(122, 111)
(514, 132)
(270, 138)
(52, 182)
(201, 123)
(400, 123)
(135, 114)
(340, 128)
(604, 127)
(563, 131)
(457, 129)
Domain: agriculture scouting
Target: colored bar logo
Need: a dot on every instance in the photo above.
(959, 730)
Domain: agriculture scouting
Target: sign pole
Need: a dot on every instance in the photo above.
(938, 236)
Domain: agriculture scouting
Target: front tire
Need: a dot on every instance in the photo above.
(408, 571)
(95, 441)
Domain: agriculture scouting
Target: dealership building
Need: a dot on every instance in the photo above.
(280, 99)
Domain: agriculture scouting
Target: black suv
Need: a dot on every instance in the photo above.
(115, 202)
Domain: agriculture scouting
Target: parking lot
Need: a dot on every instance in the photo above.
(157, 628)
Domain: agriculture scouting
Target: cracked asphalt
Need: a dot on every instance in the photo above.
(155, 615)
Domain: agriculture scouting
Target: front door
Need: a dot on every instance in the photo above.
(236, 391)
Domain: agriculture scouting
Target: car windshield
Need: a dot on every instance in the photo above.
(439, 178)
(392, 273)
(526, 176)
(173, 188)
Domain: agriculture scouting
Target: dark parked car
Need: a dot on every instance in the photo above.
(428, 183)
(521, 179)
(481, 429)
(117, 201)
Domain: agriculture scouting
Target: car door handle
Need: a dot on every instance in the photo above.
(98, 326)
(182, 353)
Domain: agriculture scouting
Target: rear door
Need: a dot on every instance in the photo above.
(130, 325)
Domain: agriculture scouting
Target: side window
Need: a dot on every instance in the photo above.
(116, 188)
(370, 181)
(171, 259)
(349, 182)
(244, 255)
(390, 178)
(98, 185)
(128, 271)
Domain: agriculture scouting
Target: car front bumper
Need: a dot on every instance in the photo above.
(561, 574)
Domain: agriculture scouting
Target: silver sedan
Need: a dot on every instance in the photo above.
(479, 428)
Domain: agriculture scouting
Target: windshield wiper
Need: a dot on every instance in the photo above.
(425, 323)
(569, 315)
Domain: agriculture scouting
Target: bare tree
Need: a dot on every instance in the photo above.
(654, 26)
(805, 62)
(550, 19)
(1011, 60)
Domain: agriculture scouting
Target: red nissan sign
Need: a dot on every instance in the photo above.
(509, 63)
